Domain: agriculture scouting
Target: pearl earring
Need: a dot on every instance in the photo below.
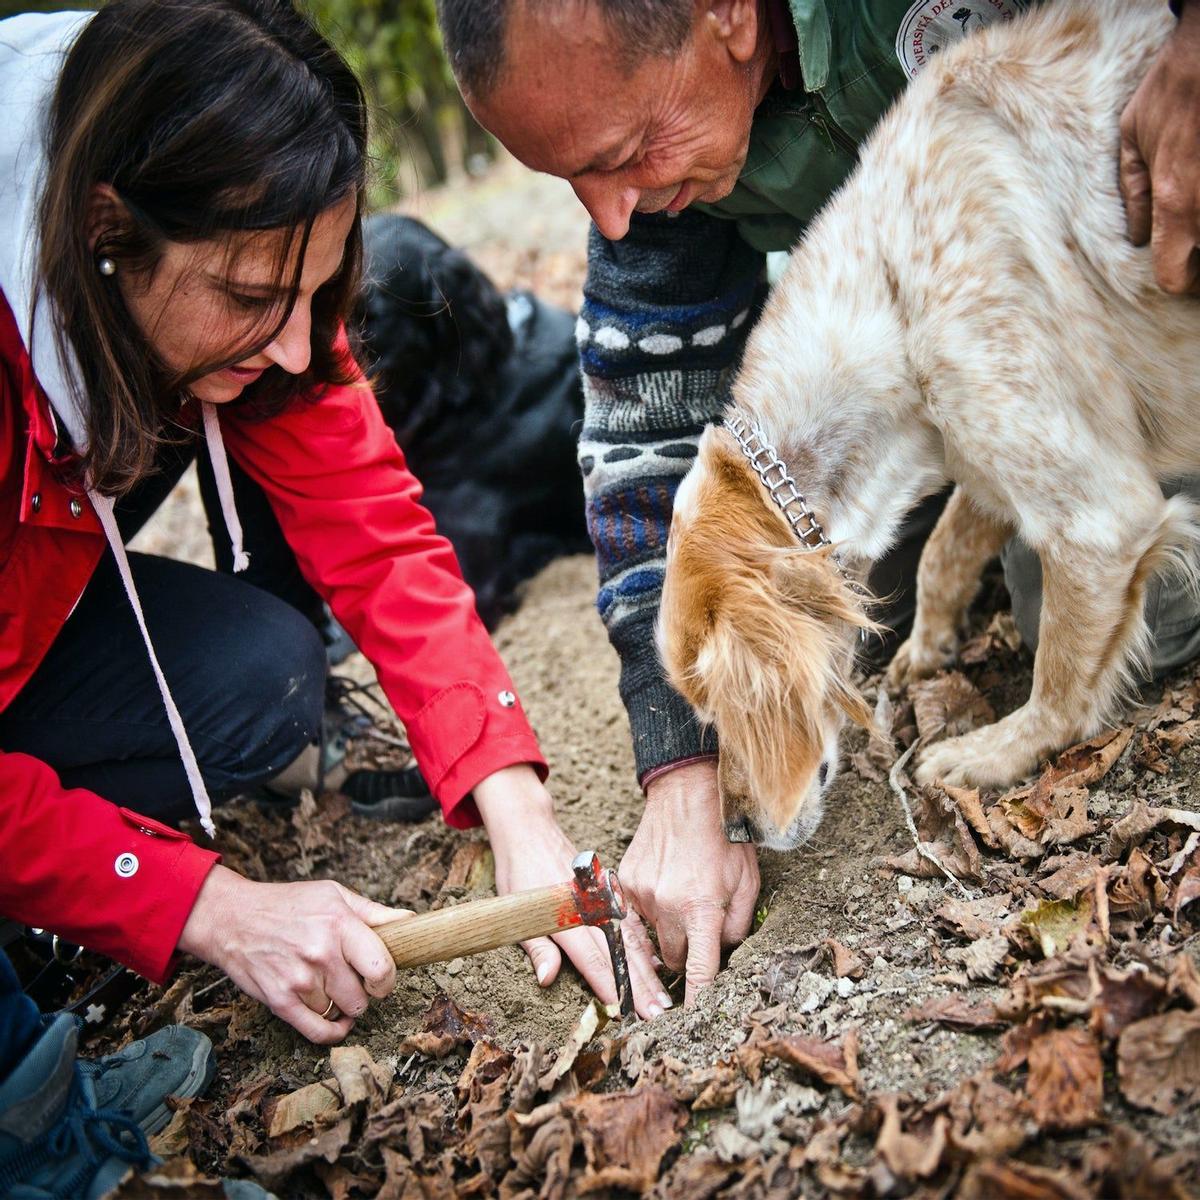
(106, 266)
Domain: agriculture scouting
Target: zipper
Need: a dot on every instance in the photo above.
(833, 135)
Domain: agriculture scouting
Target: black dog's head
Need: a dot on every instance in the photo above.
(435, 328)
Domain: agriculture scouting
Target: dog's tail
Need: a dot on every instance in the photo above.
(1172, 560)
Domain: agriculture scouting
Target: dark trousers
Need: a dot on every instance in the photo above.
(241, 655)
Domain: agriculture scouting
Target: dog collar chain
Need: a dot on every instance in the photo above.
(780, 485)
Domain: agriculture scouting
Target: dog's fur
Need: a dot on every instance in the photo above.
(968, 309)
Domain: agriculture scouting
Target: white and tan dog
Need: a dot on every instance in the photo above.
(968, 309)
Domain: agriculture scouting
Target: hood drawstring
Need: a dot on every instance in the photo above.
(220, 466)
(241, 560)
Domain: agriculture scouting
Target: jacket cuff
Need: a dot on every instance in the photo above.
(463, 735)
(663, 726)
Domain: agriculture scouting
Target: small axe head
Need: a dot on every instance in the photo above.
(601, 902)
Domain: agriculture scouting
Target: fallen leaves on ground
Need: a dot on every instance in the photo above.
(1158, 1061)
(445, 1026)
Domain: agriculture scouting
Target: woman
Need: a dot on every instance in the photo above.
(180, 191)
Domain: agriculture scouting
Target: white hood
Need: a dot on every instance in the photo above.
(32, 49)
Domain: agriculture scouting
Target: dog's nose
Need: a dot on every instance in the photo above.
(739, 830)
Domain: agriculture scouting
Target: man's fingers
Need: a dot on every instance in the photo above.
(703, 952)
(740, 914)
(1173, 241)
(1135, 189)
(650, 998)
(545, 957)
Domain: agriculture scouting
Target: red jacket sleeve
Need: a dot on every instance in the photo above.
(105, 877)
(349, 507)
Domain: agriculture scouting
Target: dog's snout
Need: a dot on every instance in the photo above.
(739, 830)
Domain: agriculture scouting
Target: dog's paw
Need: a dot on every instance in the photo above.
(984, 758)
(919, 658)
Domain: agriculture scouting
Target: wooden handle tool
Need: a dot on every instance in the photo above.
(592, 897)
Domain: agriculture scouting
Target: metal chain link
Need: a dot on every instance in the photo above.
(770, 468)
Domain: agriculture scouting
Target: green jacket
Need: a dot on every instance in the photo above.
(855, 59)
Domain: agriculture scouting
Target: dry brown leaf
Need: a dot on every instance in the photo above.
(1011, 1180)
(359, 1077)
(1186, 890)
(625, 1136)
(273, 1170)
(982, 958)
(446, 1026)
(835, 1063)
(591, 1021)
(976, 918)
(846, 964)
(948, 705)
(957, 1012)
(1055, 923)
(987, 1120)
(177, 1178)
(1066, 1079)
(967, 801)
(698, 1176)
(303, 1107)
(1088, 762)
(1127, 1165)
(1069, 875)
(909, 1155)
(1141, 820)
(1158, 1062)
(943, 830)
(480, 1093)
(1135, 890)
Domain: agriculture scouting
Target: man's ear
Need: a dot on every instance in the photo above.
(106, 213)
(735, 24)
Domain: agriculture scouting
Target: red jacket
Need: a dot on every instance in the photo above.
(349, 508)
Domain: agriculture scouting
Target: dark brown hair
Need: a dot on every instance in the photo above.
(208, 118)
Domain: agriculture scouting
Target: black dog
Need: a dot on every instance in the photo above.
(483, 393)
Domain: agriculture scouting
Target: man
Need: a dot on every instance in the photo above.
(746, 114)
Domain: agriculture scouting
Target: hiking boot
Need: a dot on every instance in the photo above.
(355, 711)
(76, 1129)
(384, 795)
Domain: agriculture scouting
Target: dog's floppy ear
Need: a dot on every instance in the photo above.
(810, 582)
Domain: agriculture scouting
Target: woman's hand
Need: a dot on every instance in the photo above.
(531, 851)
(684, 876)
(295, 947)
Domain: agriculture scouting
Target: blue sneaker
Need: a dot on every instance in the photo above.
(71, 1129)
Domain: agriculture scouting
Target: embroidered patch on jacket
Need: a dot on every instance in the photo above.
(931, 26)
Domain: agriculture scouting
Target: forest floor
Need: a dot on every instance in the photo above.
(1030, 1029)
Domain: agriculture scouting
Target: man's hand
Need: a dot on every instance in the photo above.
(1160, 158)
(295, 947)
(531, 851)
(684, 876)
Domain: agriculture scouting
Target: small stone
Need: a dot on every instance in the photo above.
(919, 894)
(454, 966)
(845, 987)
(904, 884)
(879, 963)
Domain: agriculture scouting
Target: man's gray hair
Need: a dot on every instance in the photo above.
(473, 32)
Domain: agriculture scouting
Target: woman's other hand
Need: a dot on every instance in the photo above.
(531, 850)
(295, 947)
